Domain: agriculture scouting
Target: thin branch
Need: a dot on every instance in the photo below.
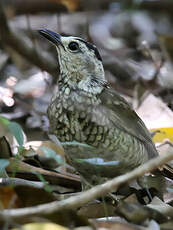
(93, 193)
(19, 182)
(29, 172)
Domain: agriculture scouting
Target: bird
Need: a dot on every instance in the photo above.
(103, 136)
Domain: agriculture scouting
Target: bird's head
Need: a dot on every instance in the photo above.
(79, 61)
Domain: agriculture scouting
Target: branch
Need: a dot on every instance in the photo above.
(19, 182)
(93, 193)
(29, 172)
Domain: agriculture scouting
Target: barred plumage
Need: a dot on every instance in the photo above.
(85, 109)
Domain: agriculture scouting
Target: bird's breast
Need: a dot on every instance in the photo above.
(67, 115)
(72, 119)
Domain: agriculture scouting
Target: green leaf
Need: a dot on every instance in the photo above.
(4, 121)
(17, 132)
(3, 164)
(14, 128)
(52, 154)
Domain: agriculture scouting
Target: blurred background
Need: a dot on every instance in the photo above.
(134, 38)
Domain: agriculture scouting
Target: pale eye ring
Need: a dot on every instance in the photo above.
(73, 46)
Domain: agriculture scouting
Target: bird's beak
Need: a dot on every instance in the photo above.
(53, 37)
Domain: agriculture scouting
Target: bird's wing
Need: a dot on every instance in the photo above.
(113, 111)
(122, 115)
(119, 112)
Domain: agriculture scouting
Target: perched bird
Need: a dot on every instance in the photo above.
(84, 109)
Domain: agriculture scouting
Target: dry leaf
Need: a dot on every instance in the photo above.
(5, 148)
(29, 172)
(41, 226)
(161, 207)
(8, 198)
(163, 134)
(30, 196)
(113, 225)
(166, 42)
(96, 210)
(49, 154)
(71, 5)
(155, 113)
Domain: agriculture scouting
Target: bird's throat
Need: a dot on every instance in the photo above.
(88, 84)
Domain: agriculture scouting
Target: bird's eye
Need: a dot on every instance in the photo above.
(73, 46)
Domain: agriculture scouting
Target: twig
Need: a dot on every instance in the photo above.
(93, 193)
(29, 172)
(19, 182)
(157, 65)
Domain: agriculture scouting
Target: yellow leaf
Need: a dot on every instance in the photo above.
(41, 226)
(163, 134)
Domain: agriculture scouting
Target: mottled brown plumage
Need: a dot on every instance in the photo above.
(86, 110)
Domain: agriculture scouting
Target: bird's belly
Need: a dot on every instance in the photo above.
(117, 145)
(114, 143)
(113, 151)
(114, 156)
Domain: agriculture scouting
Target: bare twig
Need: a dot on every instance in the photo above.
(14, 41)
(157, 65)
(93, 193)
(29, 172)
(19, 182)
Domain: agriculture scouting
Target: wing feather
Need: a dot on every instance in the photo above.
(113, 111)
